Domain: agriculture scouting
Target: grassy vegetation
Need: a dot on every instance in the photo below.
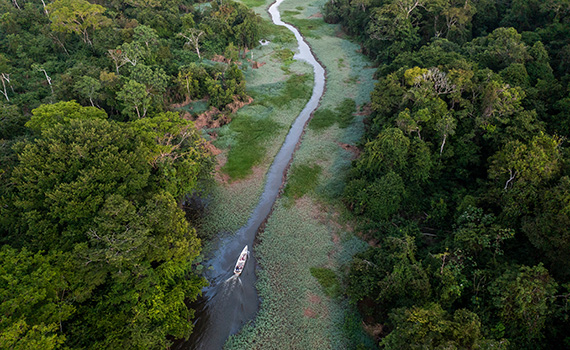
(284, 55)
(253, 3)
(307, 27)
(296, 87)
(289, 13)
(342, 115)
(249, 149)
(328, 280)
(195, 107)
(302, 178)
(296, 311)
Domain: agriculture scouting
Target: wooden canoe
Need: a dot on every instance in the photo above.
(241, 261)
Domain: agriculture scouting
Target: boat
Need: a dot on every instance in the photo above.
(241, 261)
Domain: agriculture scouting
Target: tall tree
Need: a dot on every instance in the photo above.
(77, 16)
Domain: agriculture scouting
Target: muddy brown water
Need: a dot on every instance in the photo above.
(229, 302)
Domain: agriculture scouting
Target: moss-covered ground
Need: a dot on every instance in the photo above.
(307, 243)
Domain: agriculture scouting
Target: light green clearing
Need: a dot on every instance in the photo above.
(295, 312)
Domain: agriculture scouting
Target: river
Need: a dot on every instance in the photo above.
(230, 302)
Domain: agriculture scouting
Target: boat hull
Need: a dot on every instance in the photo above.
(238, 269)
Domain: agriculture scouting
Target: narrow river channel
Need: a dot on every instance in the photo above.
(229, 302)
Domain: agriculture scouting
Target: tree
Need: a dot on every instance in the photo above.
(431, 327)
(527, 164)
(192, 36)
(478, 232)
(99, 192)
(77, 16)
(547, 227)
(5, 76)
(88, 87)
(189, 80)
(155, 80)
(388, 276)
(47, 116)
(146, 35)
(135, 99)
(11, 122)
(525, 299)
(39, 68)
(175, 150)
(127, 53)
(35, 300)
(500, 48)
(62, 178)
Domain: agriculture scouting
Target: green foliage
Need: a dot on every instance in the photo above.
(100, 197)
(328, 280)
(62, 113)
(135, 99)
(83, 161)
(296, 87)
(343, 115)
(302, 179)
(33, 304)
(463, 145)
(525, 301)
(220, 84)
(248, 150)
(11, 122)
(77, 16)
(432, 327)
(90, 198)
(253, 3)
(284, 55)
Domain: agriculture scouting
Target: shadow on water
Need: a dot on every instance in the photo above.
(228, 303)
(231, 301)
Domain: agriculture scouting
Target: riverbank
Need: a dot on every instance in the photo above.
(303, 237)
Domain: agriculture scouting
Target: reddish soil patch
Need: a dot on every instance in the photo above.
(212, 149)
(219, 175)
(181, 104)
(237, 104)
(366, 110)
(310, 313)
(351, 148)
(314, 299)
(335, 238)
(222, 59)
(255, 64)
(317, 15)
(374, 330)
(214, 118)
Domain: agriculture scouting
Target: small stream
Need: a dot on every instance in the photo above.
(230, 302)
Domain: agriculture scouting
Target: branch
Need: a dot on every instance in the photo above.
(512, 177)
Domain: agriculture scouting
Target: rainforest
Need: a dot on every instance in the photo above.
(397, 168)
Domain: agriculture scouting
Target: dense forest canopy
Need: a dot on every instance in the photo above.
(94, 163)
(463, 180)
